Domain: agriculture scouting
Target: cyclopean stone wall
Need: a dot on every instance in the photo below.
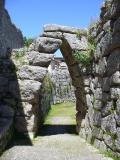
(10, 37)
(32, 72)
(24, 87)
(102, 122)
(62, 84)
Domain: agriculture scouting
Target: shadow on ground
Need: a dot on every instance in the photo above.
(19, 140)
(48, 130)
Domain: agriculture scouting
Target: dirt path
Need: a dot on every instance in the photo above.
(57, 141)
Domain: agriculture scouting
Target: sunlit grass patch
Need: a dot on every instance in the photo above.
(64, 110)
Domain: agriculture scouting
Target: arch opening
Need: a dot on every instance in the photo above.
(34, 72)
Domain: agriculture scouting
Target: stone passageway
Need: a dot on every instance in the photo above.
(60, 143)
(92, 57)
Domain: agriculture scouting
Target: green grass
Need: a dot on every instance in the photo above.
(66, 109)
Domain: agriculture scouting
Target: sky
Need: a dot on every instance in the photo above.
(31, 15)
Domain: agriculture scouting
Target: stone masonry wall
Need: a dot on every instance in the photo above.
(10, 37)
(23, 90)
(102, 122)
(32, 71)
(62, 84)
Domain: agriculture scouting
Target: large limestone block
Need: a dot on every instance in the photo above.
(47, 45)
(32, 72)
(100, 145)
(75, 43)
(116, 27)
(108, 124)
(97, 104)
(57, 35)
(115, 93)
(29, 91)
(98, 94)
(97, 132)
(94, 117)
(115, 41)
(106, 84)
(105, 44)
(100, 67)
(39, 59)
(115, 9)
(115, 78)
(113, 62)
(108, 140)
(55, 27)
(107, 108)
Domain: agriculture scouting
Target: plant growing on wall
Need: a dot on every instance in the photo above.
(27, 42)
(19, 55)
(81, 32)
(82, 57)
(85, 57)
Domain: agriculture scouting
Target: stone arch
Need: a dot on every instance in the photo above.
(40, 54)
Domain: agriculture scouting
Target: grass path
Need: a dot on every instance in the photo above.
(62, 111)
(57, 140)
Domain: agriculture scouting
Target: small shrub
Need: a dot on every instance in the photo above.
(107, 4)
(78, 33)
(19, 54)
(91, 30)
(27, 42)
(83, 57)
(81, 32)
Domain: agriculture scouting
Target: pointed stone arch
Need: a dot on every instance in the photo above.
(40, 54)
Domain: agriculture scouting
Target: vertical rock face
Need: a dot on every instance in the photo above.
(10, 37)
(2, 4)
(102, 118)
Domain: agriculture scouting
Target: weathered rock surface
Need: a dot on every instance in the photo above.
(29, 90)
(32, 70)
(56, 28)
(58, 35)
(97, 91)
(47, 45)
(75, 43)
(10, 36)
(105, 79)
(39, 59)
(62, 84)
(115, 78)
(32, 73)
